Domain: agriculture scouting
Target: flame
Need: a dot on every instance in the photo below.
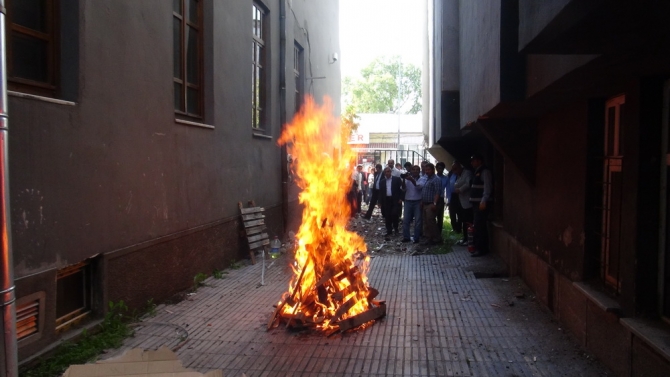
(326, 250)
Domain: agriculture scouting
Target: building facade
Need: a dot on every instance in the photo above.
(380, 137)
(568, 101)
(136, 127)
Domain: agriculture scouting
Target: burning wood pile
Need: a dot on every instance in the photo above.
(329, 289)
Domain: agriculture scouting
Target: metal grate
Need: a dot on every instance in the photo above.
(27, 319)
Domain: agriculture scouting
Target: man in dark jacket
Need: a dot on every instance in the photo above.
(481, 197)
(390, 193)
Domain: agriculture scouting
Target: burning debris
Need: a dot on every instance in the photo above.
(329, 289)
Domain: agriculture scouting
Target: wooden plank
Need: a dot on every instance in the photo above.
(253, 216)
(362, 318)
(372, 293)
(343, 309)
(246, 211)
(254, 230)
(252, 256)
(254, 223)
(259, 244)
(257, 237)
(340, 295)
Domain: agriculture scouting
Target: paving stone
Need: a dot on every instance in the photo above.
(440, 322)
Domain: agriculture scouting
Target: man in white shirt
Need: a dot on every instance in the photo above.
(413, 185)
(358, 177)
(394, 172)
(375, 191)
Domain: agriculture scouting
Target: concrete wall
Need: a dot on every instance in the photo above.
(549, 217)
(535, 16)
(114, 174)
(479, 23)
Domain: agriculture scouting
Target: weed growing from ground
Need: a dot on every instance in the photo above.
(109, 334)
(449, 238)
(151, 308)
(199, 280)
(217, 274)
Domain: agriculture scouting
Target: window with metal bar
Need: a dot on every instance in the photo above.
(187, 51)
(298, 64)
(259, 79)
(612, 195)
(32, 46)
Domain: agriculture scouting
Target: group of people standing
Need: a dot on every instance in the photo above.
(425, 191)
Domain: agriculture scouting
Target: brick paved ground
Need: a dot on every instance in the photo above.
(441, 321)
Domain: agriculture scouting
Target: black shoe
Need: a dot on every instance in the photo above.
(477, 254)
(405, 240)
(389, 233)
(416, 242)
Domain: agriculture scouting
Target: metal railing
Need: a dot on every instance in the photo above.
(379, 156)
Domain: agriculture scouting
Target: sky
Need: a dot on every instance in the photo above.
(373, 28)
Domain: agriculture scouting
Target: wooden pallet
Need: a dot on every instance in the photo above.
(254, 226)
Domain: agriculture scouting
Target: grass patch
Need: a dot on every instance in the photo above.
(218, 274)
(150, 310)
(110, 334)
(199, 280)
(449, 238)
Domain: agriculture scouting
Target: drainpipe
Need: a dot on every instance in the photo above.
(282, 111)
(8, 300)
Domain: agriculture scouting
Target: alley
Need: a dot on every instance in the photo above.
(441, 321)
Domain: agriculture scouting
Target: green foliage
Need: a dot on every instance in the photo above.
(217, 274)
(349, 119)
(235, 265)
(110, 334)
(150, 308)
(387, 85)
(199, 280)
(449, 238)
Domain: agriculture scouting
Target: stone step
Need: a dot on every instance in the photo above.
(138, 363)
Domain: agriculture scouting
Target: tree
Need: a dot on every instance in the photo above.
(387, 85)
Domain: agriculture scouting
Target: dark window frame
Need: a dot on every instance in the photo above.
(183, 110)
(51, 36)
(80, 274)
(259, 76)
(612, 195)
(299, 74)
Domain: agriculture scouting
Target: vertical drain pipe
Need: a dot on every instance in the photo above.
(6, 263)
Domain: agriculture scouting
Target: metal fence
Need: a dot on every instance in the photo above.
(382, 156)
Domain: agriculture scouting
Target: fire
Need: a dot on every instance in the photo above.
(329, 283)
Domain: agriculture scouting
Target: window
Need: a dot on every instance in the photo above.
(73, 295)
(612, 195)
(187, 44)
(32, 46)
(298, 69)
(259, 81)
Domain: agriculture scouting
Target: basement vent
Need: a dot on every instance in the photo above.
(26, 319)
(73, 295)
(29, 317)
